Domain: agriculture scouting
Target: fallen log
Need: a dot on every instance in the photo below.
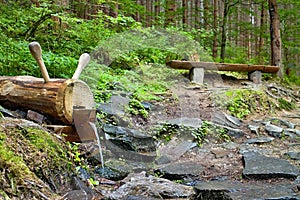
(56, 98)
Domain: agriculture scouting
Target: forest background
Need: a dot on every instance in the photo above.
(234, 31)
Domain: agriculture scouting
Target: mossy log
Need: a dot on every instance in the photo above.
(56, 98)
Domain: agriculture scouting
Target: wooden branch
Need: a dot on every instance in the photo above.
(56, 98)
(188, 65)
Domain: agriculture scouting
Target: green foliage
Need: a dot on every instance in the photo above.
(241, 102)
(286, 105)
(146, 83)
(136, 108)
(167, 131)
(294, 77)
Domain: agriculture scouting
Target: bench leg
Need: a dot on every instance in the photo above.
(255, 76)
(197, 75)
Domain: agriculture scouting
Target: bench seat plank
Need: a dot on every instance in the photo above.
(188, 65)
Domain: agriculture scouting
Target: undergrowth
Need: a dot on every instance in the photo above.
(243, 102)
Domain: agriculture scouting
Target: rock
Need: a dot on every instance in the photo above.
(129, 139)
(254, 129)
(223, 119)
(230, 145)
(260, 140)
(293, 155)
(173, 150)
(146, 105)
(258, 166)
(35, 116)
(273, 130)
(233, 132)
(292, 131)
(110, 174)
(8, 113)
(143, 186)
(185, 121)
(180, 170)
(233, 190)
(79, 191)
(284, 123)
(246, 148)
(121, 153)
(116, 105)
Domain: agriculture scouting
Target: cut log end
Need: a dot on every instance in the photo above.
(56, 98)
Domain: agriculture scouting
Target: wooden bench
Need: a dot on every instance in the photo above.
(197, 69)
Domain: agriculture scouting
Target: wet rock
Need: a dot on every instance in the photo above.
(79, 191)
(173, 150)
(230, 190)
(143, 186)
(180, 170)
(260, 140)
(109, 173)
(273, 130)
(258, 166)
(129, 139)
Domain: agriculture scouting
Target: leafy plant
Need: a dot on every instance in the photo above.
(136, 108)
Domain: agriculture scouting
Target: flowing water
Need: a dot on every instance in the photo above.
(93, 125)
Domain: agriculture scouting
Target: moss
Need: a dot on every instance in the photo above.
(29, 158)
(243, 102)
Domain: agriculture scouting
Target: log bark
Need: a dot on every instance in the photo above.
(56, 98)
(188, 65)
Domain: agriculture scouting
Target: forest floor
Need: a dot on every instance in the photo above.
(221, 158)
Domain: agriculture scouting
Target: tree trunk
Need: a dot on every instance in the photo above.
(185, 12)
(226, 10)
(215, 25)
(55, 99)
(170, 12)
(261, 33)
(223, 31)
(276, 58)
(148, 13)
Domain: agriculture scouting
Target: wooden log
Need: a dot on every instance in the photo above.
(188, 65)
(56, 98)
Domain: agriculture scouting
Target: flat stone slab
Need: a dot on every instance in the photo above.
(233, 190)
(172, 151)
(180, 170)
(150, 187)
(274, 130)
(258, 166)
(260, 140)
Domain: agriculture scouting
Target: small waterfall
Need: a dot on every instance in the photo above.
(93, 125)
